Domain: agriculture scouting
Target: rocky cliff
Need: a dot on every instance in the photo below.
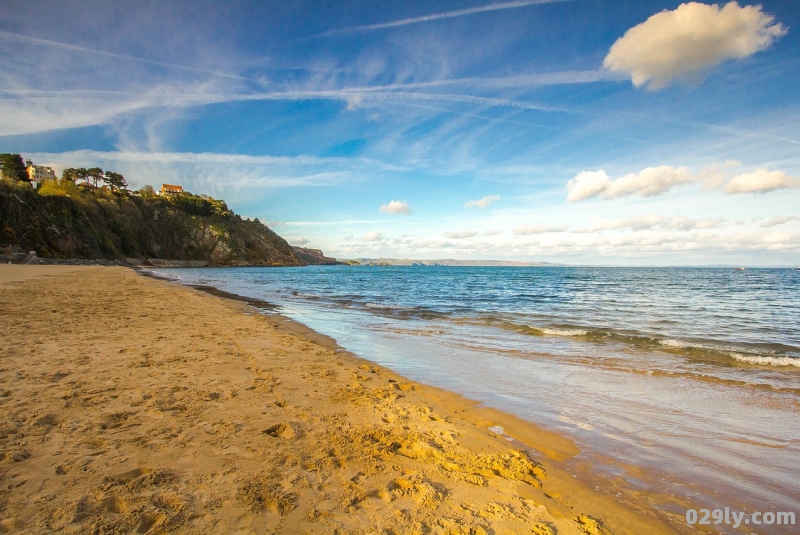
(69, 221)
(314, 257)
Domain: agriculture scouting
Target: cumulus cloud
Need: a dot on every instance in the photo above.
(779, 220)
(299, 241)
(761, 181)
(482, 203)
(646, 183)
(685, 42)
(373, 235)
(653, 181)
(491, 233)
(458, 235)
(396, 207)
(537, 229)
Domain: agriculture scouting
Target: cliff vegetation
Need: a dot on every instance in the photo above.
(64, 219)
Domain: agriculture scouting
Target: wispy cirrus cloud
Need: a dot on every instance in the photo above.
(218, 173)
(436, 16)
(20, 38)
(503, 82)
(43, 111)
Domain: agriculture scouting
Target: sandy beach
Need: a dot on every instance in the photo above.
(134, 405)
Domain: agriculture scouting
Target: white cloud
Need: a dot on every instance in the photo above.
(373, 235)
(715, 174)
(491, 233)
(640, 222)
(653, 181)
(430, 244)
(686, 223)
(482, 203)
(537, 229)
(458, 235)
(779, 220)
(396, 207)
(353, 102)
(683, 43)
(761, 181)
(587, 184)
(298, 241)
(646, 183)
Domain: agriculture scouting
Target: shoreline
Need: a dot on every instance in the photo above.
(441, 468)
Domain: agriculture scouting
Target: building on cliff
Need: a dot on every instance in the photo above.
(170, 189)
(39, 173)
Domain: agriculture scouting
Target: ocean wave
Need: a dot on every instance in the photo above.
(767, 361)
(674, 343)
(562, 332)
(380, 306)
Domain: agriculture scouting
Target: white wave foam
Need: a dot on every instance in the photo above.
(563, 332)
(673, 343)
(768, 361)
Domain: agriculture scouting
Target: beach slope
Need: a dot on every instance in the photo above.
(133, 405)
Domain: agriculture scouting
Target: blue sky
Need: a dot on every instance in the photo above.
(599, 132)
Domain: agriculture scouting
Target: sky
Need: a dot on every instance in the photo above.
(598, 132)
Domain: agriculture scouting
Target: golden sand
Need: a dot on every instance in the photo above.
(132, 405)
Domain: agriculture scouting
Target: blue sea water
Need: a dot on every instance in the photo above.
(691, 376)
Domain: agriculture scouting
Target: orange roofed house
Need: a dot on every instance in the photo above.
(170, 189)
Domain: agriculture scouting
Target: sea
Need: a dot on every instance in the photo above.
(680, 386)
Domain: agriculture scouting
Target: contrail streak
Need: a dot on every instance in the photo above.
(75, 48)
(437, 16)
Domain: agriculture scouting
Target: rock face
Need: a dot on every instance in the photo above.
(79, 223)
(314, 257)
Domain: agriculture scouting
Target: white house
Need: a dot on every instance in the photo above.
(40, 173)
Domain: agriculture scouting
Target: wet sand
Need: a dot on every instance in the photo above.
(129, 404)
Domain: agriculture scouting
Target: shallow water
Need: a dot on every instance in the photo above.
(688, 377)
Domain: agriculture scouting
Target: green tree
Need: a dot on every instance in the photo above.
(13, 168)
(115, 181)
(7, 236)
(92, 176)
(95, 174)
(70, 174)
(147, 191)
(74, 175)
